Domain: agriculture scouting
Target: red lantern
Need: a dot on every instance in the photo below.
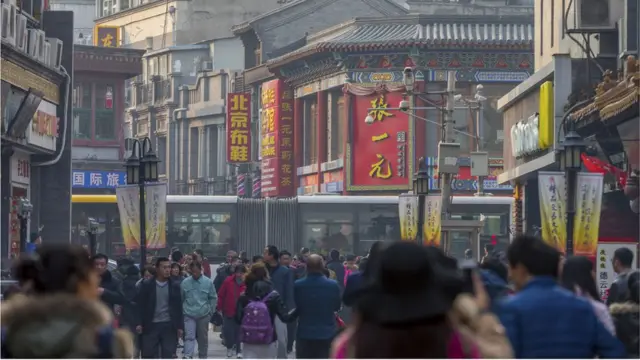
(108, 98)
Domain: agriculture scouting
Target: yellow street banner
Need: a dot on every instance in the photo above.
(432, 220)
(408, 211)
(553, 200)
(128, 197)
(586, 226)
(156, 214)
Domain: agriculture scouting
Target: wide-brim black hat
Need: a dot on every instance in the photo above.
(411, 283)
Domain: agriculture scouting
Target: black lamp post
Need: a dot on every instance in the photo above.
(421, 189)
(570, 163)
(24, 213)
(142, 167)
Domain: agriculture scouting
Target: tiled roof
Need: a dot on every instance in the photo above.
(421, 32)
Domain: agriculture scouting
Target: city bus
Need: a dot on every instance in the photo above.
(351, 224)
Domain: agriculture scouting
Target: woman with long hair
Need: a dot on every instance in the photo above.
(578, 276)
(252, 329)
(59, 314)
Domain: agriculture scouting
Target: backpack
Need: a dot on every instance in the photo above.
(256, 327)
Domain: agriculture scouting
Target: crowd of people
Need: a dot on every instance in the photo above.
(402, 300)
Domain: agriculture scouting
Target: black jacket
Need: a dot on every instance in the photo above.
(275, 304)
(223, 272)
(111, 295)
(626, 317)
(619, 290)
(146, 303)
(129, 316)
(337, 267)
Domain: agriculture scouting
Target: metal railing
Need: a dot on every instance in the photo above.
(214, 186)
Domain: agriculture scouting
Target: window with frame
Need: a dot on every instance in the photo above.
(82, 105)
(326, 227)
(206, 230)
(377, 223)
(105, 121)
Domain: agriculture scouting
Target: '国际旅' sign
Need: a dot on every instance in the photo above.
(98, 179)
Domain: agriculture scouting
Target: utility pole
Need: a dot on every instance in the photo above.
(447, 138)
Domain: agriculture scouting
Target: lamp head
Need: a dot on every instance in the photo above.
(93, 225)
(404, 105)
(408, 79)
(369, 119)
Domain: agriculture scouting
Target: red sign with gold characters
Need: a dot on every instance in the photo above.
(276, 146)
(380, 151)
(238, 128)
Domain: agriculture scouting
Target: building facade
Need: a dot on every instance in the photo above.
(36, 131)
(564, 68)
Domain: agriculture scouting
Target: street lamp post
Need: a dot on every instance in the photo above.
(93, 233)
(142, 167)
(421, 189)
(24, 213)
(570, 163)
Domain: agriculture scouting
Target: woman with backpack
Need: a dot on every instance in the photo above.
(256, 312)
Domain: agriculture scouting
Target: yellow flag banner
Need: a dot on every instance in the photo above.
(553, 199)
(156, 214)
(586, 226)
(129, 209)
(432, 220)
(408, 212)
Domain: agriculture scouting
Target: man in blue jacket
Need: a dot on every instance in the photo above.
(317, 299)
(282, 280)
(543, 320)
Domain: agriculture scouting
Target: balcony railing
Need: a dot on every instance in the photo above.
(162, 90)
(143, 93)
(213, 186)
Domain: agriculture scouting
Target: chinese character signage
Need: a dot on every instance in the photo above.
(553, 199)
(605, 275)
(587, 217)
(98, 179)
(432, 220)
(44, 127)
(129, 209)
(380, 150)
(238, 128)
(408, 211)
(276, 139)
(106, 36)
(156, 215)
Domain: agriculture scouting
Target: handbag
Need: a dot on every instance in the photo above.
(216, 319)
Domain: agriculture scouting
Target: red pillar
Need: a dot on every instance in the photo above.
(321, 136)
(298, 138)
(348, 98)
(420, 127)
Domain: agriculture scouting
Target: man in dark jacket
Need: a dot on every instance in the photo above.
(109, 286)
(160, 309)
(224, 269)
(334, 264)
(317, 299)
(282, 279)
(494, 277)
(622, 262)
(129, 316)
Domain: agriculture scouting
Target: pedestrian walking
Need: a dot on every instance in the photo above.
(177, 274)
(161, 320)
(622, 263)
(199, 303)
(543, 320)
(626, 317)
(494, 276)
(334, 264)
(224, 269)
(578, 276)
(256, 313)
(286, 260)
(109, 286)
(282, 280)
(59, 314)
(317, 300)
(228, 298)
(198, 255)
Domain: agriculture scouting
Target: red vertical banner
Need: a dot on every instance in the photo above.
(276, 124)
(238, 128)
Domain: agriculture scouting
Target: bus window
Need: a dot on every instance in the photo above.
(201, 226)
(326, 227)
(376, 223)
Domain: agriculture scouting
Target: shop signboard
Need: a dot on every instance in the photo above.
(43, 132)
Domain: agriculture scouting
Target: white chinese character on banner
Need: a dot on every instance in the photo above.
(113, 179)
(78, 178)
(95, 179)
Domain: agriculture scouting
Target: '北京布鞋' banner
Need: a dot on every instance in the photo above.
(432, 220)
(553, 199)
(128, 197)
(587, 218)
(156, 214)
(238, 128)
(408, 210)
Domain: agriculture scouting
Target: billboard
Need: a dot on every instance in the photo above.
(276, 145)
(380, 152)
(106, 36)
(238, 128)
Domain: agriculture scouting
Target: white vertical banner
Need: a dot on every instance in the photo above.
(553, 212)
(432, 230)
(408, 212)
(128, 197)
(586, 228)
(156, 214)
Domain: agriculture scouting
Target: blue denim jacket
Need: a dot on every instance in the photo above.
(199, 297)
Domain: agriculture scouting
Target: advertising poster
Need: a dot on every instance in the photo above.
(156, 214)
(433, 220)
(129, 208)
(408, 212)
(553, 199)
(586, 227)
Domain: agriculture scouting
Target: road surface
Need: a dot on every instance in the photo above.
(216, 350)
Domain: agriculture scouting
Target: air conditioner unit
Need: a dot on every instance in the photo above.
(47, 54)
(207, 65)
(594, 15)
(32, 47)
(55, 55)
(9, 23)
(21, 33)
(41, 43)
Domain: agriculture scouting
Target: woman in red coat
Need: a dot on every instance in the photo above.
(231, 289)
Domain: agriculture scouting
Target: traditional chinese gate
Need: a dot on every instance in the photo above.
(454, 231)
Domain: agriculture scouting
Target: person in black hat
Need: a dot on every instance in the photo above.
(403, 314)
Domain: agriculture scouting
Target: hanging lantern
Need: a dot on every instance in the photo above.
(108, 98)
